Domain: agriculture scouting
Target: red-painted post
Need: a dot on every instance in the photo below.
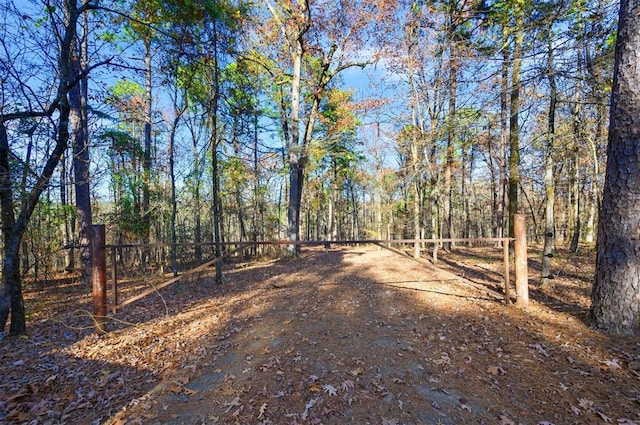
(99, 279)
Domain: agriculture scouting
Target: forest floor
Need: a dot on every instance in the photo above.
(349, 335)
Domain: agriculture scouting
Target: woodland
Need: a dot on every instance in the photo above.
(215, 121)
(189, 127)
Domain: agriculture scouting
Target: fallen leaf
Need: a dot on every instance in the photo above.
(603, 416)
(263, 409)
(230, 405)
(308, 406)
(444, 360)
(189, 391)
(330, 389)
(175, 388)
(386, 421)
(540, 349)
(357, 371)
(504, 420)
(347, 385)
(613, 364)
(315, 388)
(586, 404)
(496, 370)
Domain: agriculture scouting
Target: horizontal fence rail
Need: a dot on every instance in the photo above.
(99, 247)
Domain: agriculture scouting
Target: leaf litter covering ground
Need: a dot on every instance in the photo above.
(352, 335)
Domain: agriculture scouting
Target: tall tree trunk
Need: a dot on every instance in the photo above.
(11, 288)
(217, 214)
(172, 177)
(415, 165)
(296, 161)
(331, 213)
(574, 169)
(238, 194)
(258, 200)
(213, 126)
(69, 221)
(594, 195)
(146, 160)
(197, 222)
(504, 88)
(81, 163)
(447, 223)
(468, 159)
(549, 181)
(514, 124)
(598, 88)
(412, 41)
(616, 289)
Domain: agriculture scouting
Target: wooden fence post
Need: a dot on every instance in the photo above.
(114, 280)
(507, 283)
(99, 279)
(520, 258)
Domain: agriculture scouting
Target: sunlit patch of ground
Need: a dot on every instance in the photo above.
(356, 335)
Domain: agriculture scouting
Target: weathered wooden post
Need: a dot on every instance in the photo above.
(507, 283)
(114, 280)
(520, 260)
(99, 279)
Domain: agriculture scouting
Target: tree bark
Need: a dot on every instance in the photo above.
(146, 160)
(294, 151)
(197, 224)
(574, 161)
(549, 181)
(447, 224)
(81, 162)
(616, 290)
(69, 221)
(504, 87)
(514, 124)
(11, 277)
(213, 123)
(172, 177)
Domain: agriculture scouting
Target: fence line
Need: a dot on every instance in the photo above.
(99, 247)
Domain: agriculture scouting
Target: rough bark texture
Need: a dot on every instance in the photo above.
(447, 222)
(213, 123)
(79, 137)
(8, 223)
(504, 86)
(296, 162)
(616, 292)
(146, 163)
(514, 124)
(549, 181)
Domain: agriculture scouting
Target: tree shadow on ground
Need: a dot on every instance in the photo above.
(336, 341)
(351, 336)
(565, 294)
